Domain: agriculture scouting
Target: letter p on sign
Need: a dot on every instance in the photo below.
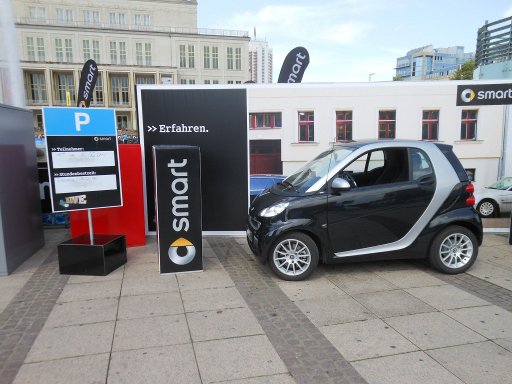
(81, 118)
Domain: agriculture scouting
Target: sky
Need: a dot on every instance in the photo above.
(348, 40)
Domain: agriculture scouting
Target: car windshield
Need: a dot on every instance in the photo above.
(317, 169)
(502, 184)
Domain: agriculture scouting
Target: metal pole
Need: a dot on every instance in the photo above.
(91, 231)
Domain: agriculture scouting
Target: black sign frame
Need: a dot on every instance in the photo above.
(215, 119)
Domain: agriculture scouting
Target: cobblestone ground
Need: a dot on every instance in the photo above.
(22, 319)
(305, 351)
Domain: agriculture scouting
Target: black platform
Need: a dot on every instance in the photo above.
(78, 256)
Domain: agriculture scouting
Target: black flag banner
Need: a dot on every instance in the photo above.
(294, 66)
(87, 83)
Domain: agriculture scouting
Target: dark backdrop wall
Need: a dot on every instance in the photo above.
(215, 120)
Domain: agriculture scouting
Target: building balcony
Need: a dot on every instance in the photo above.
(27, 21)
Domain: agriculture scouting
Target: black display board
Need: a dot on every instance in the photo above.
(213, 119)
(83, 158)
(177, 171)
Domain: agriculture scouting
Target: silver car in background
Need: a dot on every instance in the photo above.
(494, 200)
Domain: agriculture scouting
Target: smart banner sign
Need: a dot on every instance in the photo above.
(83, 161)
(484, 94)
(213, 119)
(177, 172)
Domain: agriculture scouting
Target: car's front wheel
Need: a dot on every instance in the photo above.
(487, 208)
(294, 256)
(454, 250)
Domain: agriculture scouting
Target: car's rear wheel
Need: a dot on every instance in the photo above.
(454, 250)
(294, 256)
(487, 208)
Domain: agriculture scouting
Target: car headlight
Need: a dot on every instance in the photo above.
(274, 210)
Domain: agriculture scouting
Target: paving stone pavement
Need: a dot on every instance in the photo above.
(307, 353)
(383, 322)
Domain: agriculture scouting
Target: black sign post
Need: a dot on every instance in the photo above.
(177, 172)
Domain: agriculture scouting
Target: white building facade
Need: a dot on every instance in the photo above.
(308, 118)
(133, 42)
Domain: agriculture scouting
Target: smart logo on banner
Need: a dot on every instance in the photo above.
(87, 83)
(484, 94)
(178, 207)
(294, 66)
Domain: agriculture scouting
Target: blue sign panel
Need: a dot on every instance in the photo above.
(79, 122)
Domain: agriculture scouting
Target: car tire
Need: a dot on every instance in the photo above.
(454, 250)
(487, 208)
(294, 256)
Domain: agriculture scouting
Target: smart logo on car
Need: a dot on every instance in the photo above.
(467, 95)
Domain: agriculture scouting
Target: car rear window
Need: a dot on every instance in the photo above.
(454, 161)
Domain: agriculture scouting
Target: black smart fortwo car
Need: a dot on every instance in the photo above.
(369, 200)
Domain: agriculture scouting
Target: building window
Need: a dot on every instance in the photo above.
(59, 53)
(215, 57)
(65, 15)
(96, 50)
(183, 57)
(113, 52)
(147, 54)
(387, 124)
(343, 125)
(40, 49)
(144, 79)
(306, 126)
(119, 90)
(35, 84)
(238, 59)
(95, 55)
(138, 54)
(122, 122)
(468, 124)
(117, 52)
(122, 52)
(117, 18)
(183, 81)
(265, 120)
(97, 97)
(207, 82)
(215, 81)
(31, 52)
(230, 57)
(69, 50)
(64, 89)
(37, 13)
(142, 20)
(430, 125)
(191, 57)
(206, 57)
(91, 17)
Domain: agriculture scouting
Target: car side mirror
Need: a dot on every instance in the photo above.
(339, 185)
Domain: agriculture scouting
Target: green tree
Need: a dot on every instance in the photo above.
(397, 78)
(465, 72)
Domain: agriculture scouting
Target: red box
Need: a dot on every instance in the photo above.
(127, 220)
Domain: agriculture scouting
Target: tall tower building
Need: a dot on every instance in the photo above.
(260, 61)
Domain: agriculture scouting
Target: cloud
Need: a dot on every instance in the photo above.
(508, 12)
(306, 24)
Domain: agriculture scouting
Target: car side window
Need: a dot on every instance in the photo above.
(420, 164)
